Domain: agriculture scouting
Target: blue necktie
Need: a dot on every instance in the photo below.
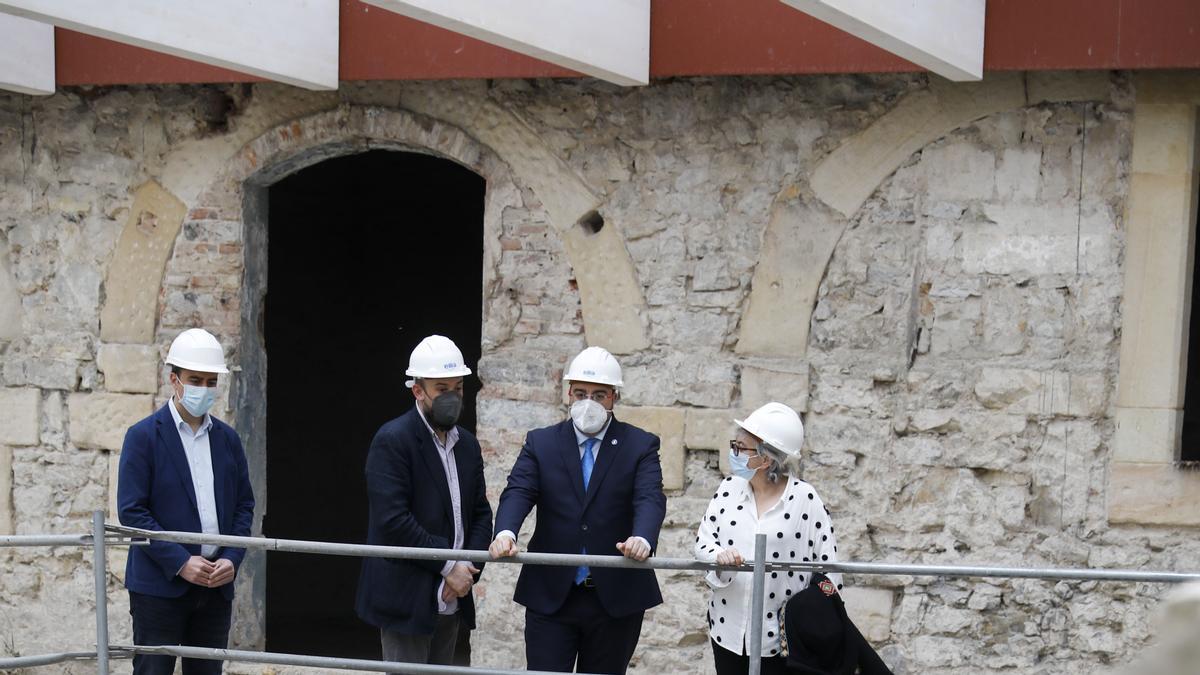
(587, 463)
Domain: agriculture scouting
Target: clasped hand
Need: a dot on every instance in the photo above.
(459, 581)
(208, 573)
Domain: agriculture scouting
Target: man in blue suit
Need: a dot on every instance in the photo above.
(182, 469)
(425, 489)
(597, 486)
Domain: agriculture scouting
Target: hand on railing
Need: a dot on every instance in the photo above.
(503, 547)
(634, 548)
(730, 557)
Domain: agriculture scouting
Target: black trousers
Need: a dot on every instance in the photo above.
(728, 663)
(581, 636)
(198, 618)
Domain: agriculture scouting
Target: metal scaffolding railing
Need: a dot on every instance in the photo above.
(103, 535)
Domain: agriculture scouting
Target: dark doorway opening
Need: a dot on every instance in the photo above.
(367, 254)
(1189, 449)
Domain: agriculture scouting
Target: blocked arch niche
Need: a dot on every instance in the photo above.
(274, 155)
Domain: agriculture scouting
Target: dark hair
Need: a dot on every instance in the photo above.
(176, 369)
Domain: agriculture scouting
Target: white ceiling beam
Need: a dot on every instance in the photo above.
(608, 39)
(26, 56)
(944, 36)
(291, 41)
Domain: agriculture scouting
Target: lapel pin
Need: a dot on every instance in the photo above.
(614, 441)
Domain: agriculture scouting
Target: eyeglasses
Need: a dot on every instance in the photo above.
(599, 396)
(739, 449)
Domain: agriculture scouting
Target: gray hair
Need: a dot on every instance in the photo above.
(782, 464)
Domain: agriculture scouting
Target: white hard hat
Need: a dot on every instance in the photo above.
(436, 356)
(197, 349)
(594, 364)
(777, 425)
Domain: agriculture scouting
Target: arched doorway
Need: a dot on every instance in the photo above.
(366, 254)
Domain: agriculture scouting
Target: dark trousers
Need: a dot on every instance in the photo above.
(198, 618)
(581, 635)
(462, 646)
(728, 663)
(436, 649)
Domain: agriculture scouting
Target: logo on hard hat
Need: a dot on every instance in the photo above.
(589, 372)
(450, 366)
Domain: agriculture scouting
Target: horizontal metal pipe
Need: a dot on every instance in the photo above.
(15, 662)
(46, 540)
(411, 553)
(572, 560)
(275, 658)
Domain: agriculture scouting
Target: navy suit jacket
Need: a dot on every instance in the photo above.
(155, 492)
(624, 498)
(409, 505)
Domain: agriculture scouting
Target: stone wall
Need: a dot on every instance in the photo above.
(932, 273)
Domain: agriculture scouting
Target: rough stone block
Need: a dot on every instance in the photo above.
(1157, 273)
(958, 172)
(667, 423)
(871, 610)
(796, 248)
(10, 301)
(20, 416)
(6, 480)
(131, 369)
(114, 468)
(848, 175)
(708, 428)
(763, 385)
(1036, 392)
(1147, 435)
(1022, 239)
(1019, 173)
(1153, 494)
(1164, 138)
(1066, 86)
(934, 421)
(136, 269)
(101, 420)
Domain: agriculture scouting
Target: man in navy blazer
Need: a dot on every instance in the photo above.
(597, 486)
(184, 470)
(425, 489)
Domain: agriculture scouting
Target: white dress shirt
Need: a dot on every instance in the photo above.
(199, 457)
(446, 454)
(581, 439)
(798, 528)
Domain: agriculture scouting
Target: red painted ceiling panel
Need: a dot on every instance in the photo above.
(705, 37)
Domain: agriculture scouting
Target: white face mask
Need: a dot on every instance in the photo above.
(198, 400)
(589, 417)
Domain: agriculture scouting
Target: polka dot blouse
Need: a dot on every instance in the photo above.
(798, 528)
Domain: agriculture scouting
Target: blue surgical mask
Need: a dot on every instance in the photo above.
(198, 400)
(740, 465)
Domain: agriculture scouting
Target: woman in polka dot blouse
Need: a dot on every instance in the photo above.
(765, 495)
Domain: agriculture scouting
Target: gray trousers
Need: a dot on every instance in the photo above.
(435, 649)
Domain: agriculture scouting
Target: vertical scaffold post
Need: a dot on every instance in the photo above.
(756, 603)
(98, 566)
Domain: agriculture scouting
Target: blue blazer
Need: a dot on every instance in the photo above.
(155, 492)
(409, 505)
(624, 498)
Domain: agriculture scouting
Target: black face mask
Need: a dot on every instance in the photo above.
(444, 411)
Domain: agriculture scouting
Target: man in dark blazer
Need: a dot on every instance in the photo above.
(182, 469)
(597, 486)
(425, 489)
